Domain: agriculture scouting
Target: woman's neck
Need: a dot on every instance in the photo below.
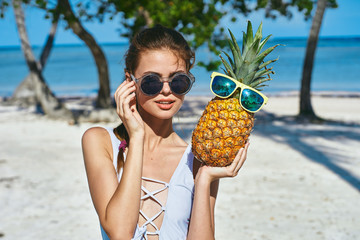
(158, 127)
(157, 130)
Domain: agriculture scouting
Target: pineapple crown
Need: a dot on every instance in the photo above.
(248, 66)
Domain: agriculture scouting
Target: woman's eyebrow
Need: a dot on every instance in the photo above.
(159, 74)
(173, 73)
(150, 72)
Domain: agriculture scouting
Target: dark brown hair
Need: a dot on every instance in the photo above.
(156, 38)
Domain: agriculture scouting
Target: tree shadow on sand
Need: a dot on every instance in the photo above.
(296, 133)
(291, 131)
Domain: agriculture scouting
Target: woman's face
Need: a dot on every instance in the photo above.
(165, 64)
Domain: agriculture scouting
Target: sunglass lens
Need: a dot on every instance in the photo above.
(180, 84)
(222, 86)
(251, 100)
(151, 85)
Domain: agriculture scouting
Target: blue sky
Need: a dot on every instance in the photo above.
(339, 22)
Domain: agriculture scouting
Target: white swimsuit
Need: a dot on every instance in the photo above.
(179, 201)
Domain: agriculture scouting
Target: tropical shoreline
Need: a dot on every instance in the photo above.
(333, 70)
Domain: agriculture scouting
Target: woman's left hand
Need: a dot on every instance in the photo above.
(214, 173)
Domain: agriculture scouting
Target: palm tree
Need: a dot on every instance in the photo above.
(103, 99)
(306, 110)
(25, 92)
(51, 106)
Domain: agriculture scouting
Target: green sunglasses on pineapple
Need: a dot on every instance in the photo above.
(224, 86)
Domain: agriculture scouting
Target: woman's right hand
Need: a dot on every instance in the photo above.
(125, 99)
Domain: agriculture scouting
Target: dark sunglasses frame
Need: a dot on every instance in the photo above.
(162, 80)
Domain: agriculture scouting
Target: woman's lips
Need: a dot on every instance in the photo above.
(165, 104)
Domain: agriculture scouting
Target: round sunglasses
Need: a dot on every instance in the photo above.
(152, 84)
(224, 86)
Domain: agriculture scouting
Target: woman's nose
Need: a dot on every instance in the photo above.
(166, 90)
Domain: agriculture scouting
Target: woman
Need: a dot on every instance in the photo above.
(143, 179)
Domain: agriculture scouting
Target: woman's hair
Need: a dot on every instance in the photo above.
(156, 38)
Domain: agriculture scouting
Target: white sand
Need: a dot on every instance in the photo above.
(299, 182)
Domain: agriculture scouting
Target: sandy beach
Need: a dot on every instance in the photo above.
(300, 181)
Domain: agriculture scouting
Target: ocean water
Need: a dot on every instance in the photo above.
(71, 71)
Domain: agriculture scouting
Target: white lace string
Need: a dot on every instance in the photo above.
(151, 194)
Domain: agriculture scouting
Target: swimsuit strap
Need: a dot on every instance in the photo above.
(151, 194)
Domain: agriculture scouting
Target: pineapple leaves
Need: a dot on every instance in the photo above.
(236, 55)
(227, 67)
(248, 66)
(243, 43)
(249, 33)
(259, 88)
(249, 78)
(258, 34)
(262, 44)
(235, 43)
(247, 39)
(261, 57)
(263, 72)
(230, 60)
(252, 52)
(267, 63)
(257, 83)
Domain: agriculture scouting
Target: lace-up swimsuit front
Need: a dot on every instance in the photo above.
(175, 210)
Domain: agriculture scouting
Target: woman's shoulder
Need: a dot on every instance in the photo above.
(96, 146)
(95, 133)
(96, 137)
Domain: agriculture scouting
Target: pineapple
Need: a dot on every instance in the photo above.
(225, 126)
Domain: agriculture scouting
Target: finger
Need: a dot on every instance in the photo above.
(242, 154)
(124, 108)
(132, 117)
(124, 105)
(236, 162)
(120, 85)
(128, 110)
(120, 98)
(123, 87)
(126, 92)
(231, 169)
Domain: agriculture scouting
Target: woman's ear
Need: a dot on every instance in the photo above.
(127, 76)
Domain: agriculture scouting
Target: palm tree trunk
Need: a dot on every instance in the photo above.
(25, 92)
(306, 109)
(48, 46)
(48, 102)
(103, 98)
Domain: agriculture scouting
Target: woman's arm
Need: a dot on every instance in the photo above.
(117, 204)
(202, 224)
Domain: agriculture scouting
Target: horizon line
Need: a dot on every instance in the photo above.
(347, 37)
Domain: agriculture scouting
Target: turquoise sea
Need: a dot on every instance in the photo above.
(71, 70)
